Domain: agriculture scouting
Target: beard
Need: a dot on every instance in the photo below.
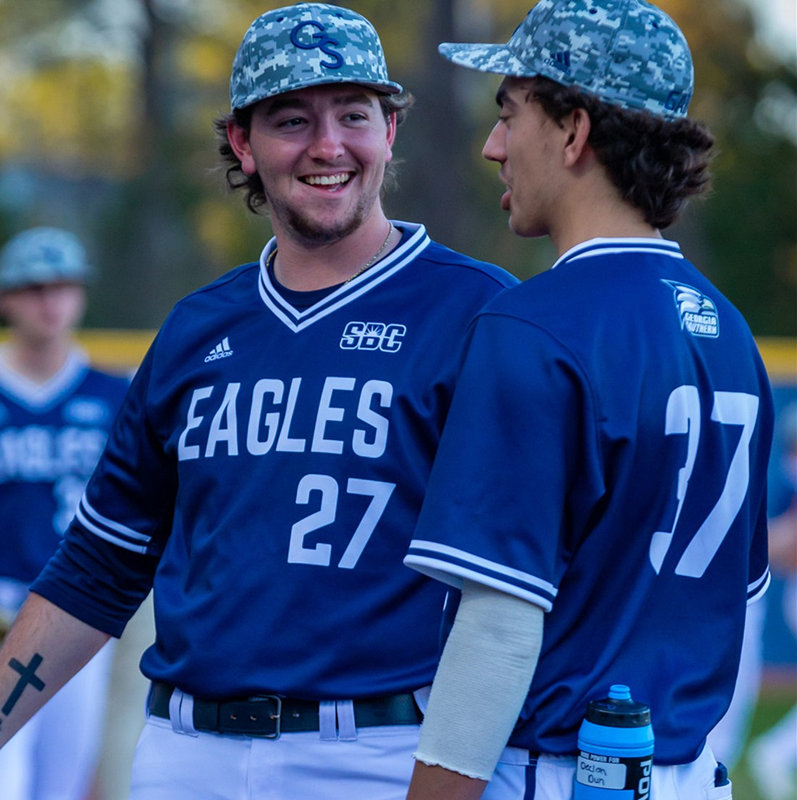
(304, 228)
(310, 229)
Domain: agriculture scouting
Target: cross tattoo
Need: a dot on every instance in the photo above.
(27, 676)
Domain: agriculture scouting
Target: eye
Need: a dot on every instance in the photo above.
(355, 116)
(290, 122)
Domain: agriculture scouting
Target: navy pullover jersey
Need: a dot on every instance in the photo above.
(605, 457)
(51, 436)
(266, 472)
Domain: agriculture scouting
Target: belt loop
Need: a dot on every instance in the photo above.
(347, 728)
(326, 721)
(181, 713)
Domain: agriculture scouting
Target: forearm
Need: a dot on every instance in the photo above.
(479, 689)
(438, 783)
(43, 650)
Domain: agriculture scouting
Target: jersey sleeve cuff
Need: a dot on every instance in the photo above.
(452, 566)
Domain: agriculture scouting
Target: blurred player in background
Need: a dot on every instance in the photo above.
(776, 764)
(772, 755)
(268, 465)
(55, 413)
(604, 462)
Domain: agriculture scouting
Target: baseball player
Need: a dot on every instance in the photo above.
(603, 463)
(267, 467)
(55, 413)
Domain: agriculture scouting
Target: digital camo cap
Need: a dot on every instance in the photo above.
(43, 255)
(626, 52)
(307, 44)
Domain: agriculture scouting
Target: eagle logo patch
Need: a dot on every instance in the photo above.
(697, 312)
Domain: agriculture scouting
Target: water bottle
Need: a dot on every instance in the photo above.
(615, 744)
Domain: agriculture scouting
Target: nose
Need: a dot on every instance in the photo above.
(494, 149)
(327, 141)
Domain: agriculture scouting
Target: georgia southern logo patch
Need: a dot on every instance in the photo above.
(697, 312)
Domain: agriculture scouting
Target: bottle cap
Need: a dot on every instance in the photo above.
(618, 710)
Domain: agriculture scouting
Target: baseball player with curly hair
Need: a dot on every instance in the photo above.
(268, 465)
(55, 414)
(604, 462)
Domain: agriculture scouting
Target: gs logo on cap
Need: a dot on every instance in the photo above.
(320, 40)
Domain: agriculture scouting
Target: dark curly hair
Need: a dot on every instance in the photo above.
(255, 197)
(656, 163)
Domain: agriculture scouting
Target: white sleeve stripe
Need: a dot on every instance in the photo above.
(125, 545)
(755, 584)
(513, 575)
(454, 575)
(116, 534)
(757, 589)
(122, 530)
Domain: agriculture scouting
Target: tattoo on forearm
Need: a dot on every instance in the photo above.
(28, 677)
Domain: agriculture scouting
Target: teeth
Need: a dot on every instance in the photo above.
(326, 180)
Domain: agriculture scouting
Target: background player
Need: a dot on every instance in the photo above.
(605, 456)
(772, 755)
(55, 413)
(268, 465)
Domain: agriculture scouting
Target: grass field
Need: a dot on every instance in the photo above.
(775, 699)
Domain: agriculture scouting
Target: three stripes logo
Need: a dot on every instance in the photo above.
(221, 350)
(560, 60)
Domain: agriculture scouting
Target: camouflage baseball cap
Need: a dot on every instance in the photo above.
(307, 44)
(626, 52)
(43, 255)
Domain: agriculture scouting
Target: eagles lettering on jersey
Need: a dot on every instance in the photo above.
(268, 466)
(229, 419)
(46, 453)
(51, 438)
(621, 462)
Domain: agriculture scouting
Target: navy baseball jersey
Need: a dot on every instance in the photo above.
(605, 458)
(267, 470)
(51, 436)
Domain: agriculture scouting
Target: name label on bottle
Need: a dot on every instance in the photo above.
(613, 773)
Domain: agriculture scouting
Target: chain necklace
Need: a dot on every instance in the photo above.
(374, 258)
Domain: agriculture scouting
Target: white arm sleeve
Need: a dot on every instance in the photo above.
(481, 682)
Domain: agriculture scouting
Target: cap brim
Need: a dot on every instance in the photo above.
(495, 58)
(389, 87)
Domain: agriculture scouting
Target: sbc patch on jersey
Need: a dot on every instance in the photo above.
(386, 337)
(698, 313)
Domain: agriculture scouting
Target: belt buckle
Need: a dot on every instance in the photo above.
(240, 716)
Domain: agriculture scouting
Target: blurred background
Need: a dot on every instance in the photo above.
(106, 108)
(105, 128)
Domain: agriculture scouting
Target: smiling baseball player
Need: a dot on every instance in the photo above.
(268, 466)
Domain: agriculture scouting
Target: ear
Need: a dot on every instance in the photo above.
(576, 126)
(238, 138)
(391, 137)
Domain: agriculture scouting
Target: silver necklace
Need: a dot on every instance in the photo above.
(374, 258)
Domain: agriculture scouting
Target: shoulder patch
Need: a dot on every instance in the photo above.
(698, 313)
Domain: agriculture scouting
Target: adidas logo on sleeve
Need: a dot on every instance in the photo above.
(221, 350)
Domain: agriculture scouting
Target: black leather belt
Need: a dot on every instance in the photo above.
(268, 715)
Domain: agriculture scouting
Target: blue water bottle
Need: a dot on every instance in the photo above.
(615, 749)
